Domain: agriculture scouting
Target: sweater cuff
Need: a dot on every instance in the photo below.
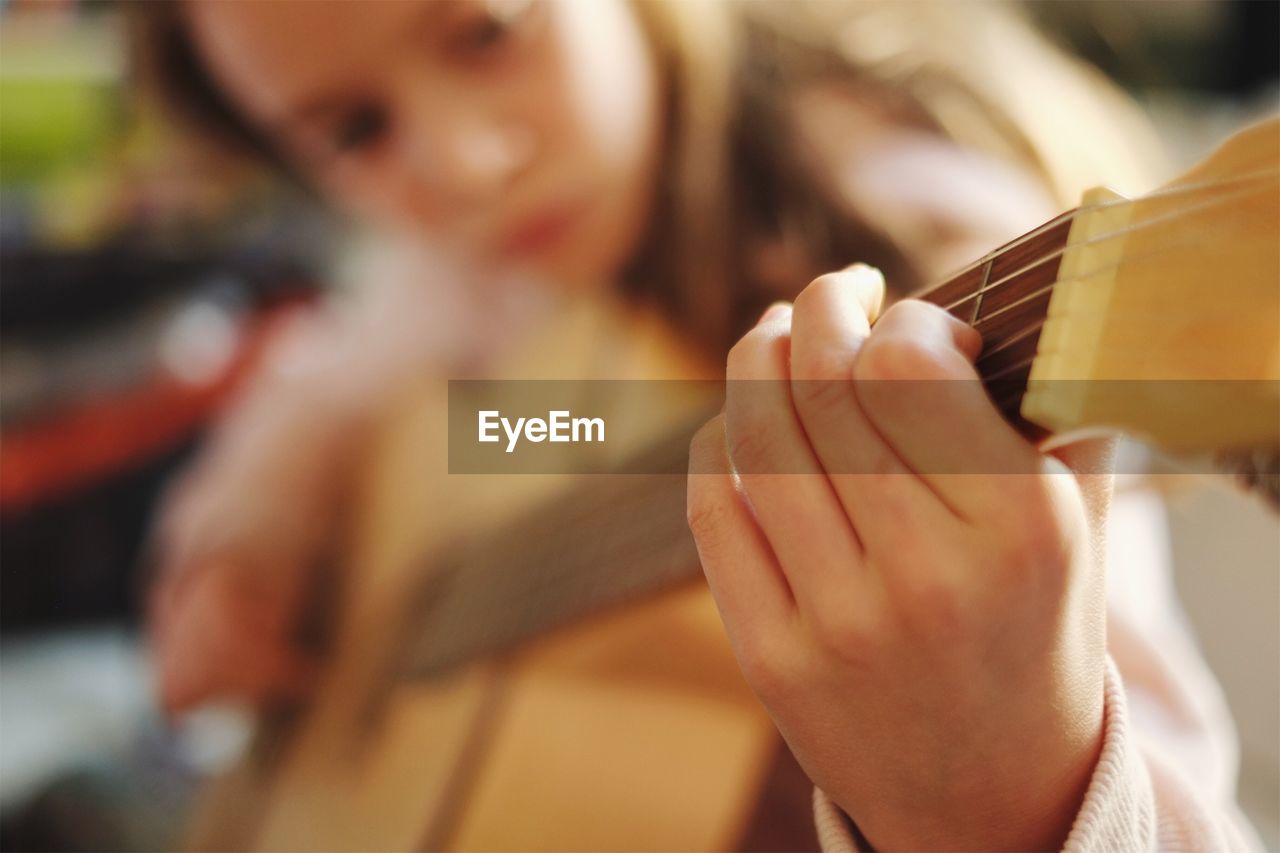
(835, 829)
(1118, 812)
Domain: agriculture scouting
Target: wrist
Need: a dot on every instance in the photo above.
(1011, 802)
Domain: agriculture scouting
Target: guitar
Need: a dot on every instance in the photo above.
(560, 680)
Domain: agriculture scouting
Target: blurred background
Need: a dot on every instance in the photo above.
(138, 280)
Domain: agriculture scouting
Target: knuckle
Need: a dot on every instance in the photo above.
(826, 360)
(874, 470)
(706, 518)
(756, 353)
(754, 444)
(822, 391)
(943, 618)
(1035, 552)
(891, 356)
(932, 606)
(844, 634)
(764, 666)
(885, 470)
(897, 357)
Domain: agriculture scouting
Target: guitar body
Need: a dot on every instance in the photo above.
(630, 730)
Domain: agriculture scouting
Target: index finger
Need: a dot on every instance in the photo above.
(917, 383)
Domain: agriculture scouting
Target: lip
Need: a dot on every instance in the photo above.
(541, 232)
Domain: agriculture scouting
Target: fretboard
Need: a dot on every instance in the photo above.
(1005, 296)
(616, 538)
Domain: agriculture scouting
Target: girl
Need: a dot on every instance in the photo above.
(707, 159)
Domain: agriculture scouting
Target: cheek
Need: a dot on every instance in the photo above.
(607, 83)
(380, 195)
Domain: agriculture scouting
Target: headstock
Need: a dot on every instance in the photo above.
(1165, 318)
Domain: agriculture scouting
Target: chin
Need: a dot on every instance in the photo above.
(589, 264)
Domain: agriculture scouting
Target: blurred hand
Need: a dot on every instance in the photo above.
(931, 645)
(239, 540)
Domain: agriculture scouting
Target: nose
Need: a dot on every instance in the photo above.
(472, 159)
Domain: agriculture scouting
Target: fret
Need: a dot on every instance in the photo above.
(1014, 289)
(956, 293)
(981, 292)
(1012, 273)
(1006, 297)
(1011, 336)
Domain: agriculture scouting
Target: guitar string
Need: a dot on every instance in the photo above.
(1103, 238)
(1023, 333)
(1012, 368)
(1097, 240)
(1156, 251)
(1163, 192)
(1009, 341)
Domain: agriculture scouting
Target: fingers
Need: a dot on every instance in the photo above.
(749, 586)
(829, 327)
(794, 502)
(212, 640)
(916, 383)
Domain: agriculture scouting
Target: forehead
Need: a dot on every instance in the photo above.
(273, 56)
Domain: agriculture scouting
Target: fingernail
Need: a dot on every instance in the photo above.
(774, 311)
(869, 279)
(862, 269)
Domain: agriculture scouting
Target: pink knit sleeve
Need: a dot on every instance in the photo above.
(1140, 799)
(1118, 812)
(835, 833)
(1136, 801)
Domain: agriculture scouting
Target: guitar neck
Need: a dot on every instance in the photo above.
(1005, 296)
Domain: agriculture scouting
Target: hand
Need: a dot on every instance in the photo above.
(236, 558)
(239, 541)
(930, 643)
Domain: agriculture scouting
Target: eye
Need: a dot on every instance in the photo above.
(489, 28)
(359, 129)
(485, 33)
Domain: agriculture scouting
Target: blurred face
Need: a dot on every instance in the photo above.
(519, 134)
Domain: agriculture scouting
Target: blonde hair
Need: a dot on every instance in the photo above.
(736, 180)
